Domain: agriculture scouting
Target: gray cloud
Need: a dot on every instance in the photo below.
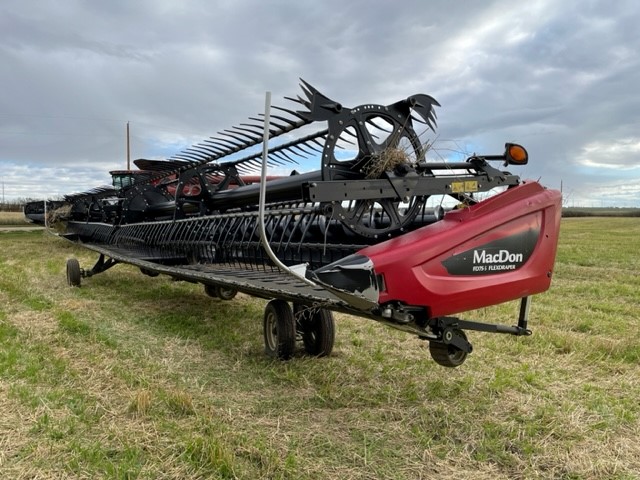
(559, 77)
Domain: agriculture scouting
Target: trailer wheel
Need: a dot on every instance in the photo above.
(223, 293)
(74, 275)
(148, 273)
(212, 290)
(279, 330)
(226, 293)
(318, 332)
(448, 355)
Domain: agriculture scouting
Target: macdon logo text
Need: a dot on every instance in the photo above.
(503, 256)
(500, 261)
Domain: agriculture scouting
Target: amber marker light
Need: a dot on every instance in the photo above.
(515, 154)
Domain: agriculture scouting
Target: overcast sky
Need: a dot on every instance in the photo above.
(560, 77)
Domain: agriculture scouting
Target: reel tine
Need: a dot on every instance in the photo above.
(216, 146)
(208, 149)
(287, 157)
(272, 162)
(233, 144)
(238, 136)
(253, 163)
(196, 151)
(271, 131)
(284, 119)
(379, 127)
(283, 128)
(308, 145)
(258, 128)
(417, 118)
(296, 100)
(302, 153)
(317, 142)
(342, 139)
(307, 89)
(251, 137)
(292, 112)
(187, 156)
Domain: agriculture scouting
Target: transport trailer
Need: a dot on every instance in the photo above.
(359, 235)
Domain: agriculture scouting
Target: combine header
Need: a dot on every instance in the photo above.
(360, 234)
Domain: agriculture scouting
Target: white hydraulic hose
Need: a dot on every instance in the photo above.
(263, 196)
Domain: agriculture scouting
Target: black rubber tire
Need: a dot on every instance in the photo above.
(318, 331)
(149, 273)
(227, 293)
(212, 290)
(74, 275)
(448, 355)
(223, 293)
(279, 329)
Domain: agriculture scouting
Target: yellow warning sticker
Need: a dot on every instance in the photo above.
(457, 187)
(466, 186)
(471, 186)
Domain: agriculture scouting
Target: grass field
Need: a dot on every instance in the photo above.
(137, 377)
(600, 212)
(12, 219)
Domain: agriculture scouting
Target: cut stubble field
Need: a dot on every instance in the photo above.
(138, 377)
(13, 219)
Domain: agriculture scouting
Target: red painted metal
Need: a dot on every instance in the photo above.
(412, 264)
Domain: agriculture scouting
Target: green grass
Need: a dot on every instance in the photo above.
(137, 377)
(600, 212)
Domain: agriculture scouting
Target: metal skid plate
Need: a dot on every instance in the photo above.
(265, 283)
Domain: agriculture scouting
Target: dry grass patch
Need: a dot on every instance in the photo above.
(141, 403)
(12, 219)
